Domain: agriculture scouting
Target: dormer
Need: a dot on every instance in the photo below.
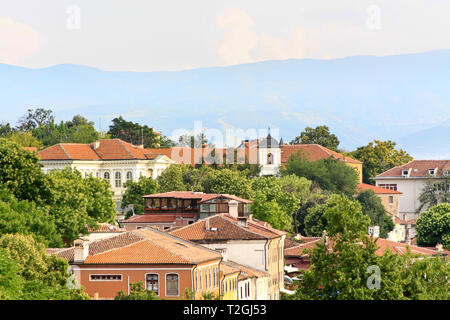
(406, 172)
(432, 172)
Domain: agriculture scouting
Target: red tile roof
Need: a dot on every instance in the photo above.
(223, 227)
(107, 149)
(313, 152)
(377, 190)
(105, 228)
(144, 246)
(418, 168)
(151, 218)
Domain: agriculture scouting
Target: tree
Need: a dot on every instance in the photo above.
(345, 264)
(20, 172)
(5, 129)
(24, 217)
(81, 130)
(171, 179)
(135, 190)
(379, 156)
(77, 202)
(34, 119)
(134, 133)
(277, 201)
(436, 190)
(317, 197)
(137, 292)
(228, 181)
(372, 206)
(37, 275)
(330, 174)
(320, 135)
(433, 226)
(25, 139)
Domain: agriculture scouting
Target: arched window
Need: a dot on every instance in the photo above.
(129, 176)
(118, 177)
(172, 285)
(152, 283)
(106, 175)
(270, 158)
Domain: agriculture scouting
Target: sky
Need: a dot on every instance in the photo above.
(170, 35)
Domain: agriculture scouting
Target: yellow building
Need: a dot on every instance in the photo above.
(229, 282)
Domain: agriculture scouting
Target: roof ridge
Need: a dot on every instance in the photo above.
(129, 152)
(181, 240)
(64, 150)
(242, 228)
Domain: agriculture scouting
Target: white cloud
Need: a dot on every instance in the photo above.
(235, 46)
(17, 41)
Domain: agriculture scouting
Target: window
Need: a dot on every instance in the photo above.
(129, 176)
(405, 173)
(118, 177)
(431, 172)
(106, 175)
(196, 280)
(105, 277)
(151, 281)
(391, 199)
(270, 158)
(389, 186)
(97, 174)
(172, 285)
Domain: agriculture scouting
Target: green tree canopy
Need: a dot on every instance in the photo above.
(137, 292)
(379, 156)
(436, 190)
(433, 226)
(372, 206)
(135, 190)
(20, 172)
(133, 133)
(330, 174)
(319, 135)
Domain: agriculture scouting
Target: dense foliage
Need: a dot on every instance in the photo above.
(137, 292)
(318, 135)
(379, 156)
(433, 226)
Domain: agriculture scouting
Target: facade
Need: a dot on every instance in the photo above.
(112, 159)
(164, 263)
(180, 208)
(410, 179)
(245, 241)
(229, 282)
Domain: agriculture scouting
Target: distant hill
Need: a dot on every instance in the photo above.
(404, 97)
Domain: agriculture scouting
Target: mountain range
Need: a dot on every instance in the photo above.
(405, 98)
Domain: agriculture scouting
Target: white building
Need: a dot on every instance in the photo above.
(410, 179)
(112, 159)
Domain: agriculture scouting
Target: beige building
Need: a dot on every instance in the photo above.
(112, 159)
(245, 241)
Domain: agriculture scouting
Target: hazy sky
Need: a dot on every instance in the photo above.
(147, 35)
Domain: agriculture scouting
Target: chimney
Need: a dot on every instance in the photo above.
(96, 145)
(242, 221)
(233, 208)
(81, 250)
(207, 227)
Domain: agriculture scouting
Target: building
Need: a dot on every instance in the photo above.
(180, 208)
(112, 159)
(243, 240)
(166, 264)
(410, 179)
(390, 201)
(229, 282)
(272, 155)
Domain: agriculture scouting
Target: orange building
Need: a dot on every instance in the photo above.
(166, 264)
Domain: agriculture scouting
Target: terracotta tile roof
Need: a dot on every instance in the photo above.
(226, 269)
(105, 228)
(418, 168)
(377, 190)
(313, 152)
(249, 271)
(200, 196)
(299, 249)
(400, 248)
(224, 228)
(144, 246)
(107, 149)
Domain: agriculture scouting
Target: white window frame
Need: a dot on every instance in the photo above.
(105, 274)
(159, 282)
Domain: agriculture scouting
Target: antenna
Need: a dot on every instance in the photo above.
(142, 137)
